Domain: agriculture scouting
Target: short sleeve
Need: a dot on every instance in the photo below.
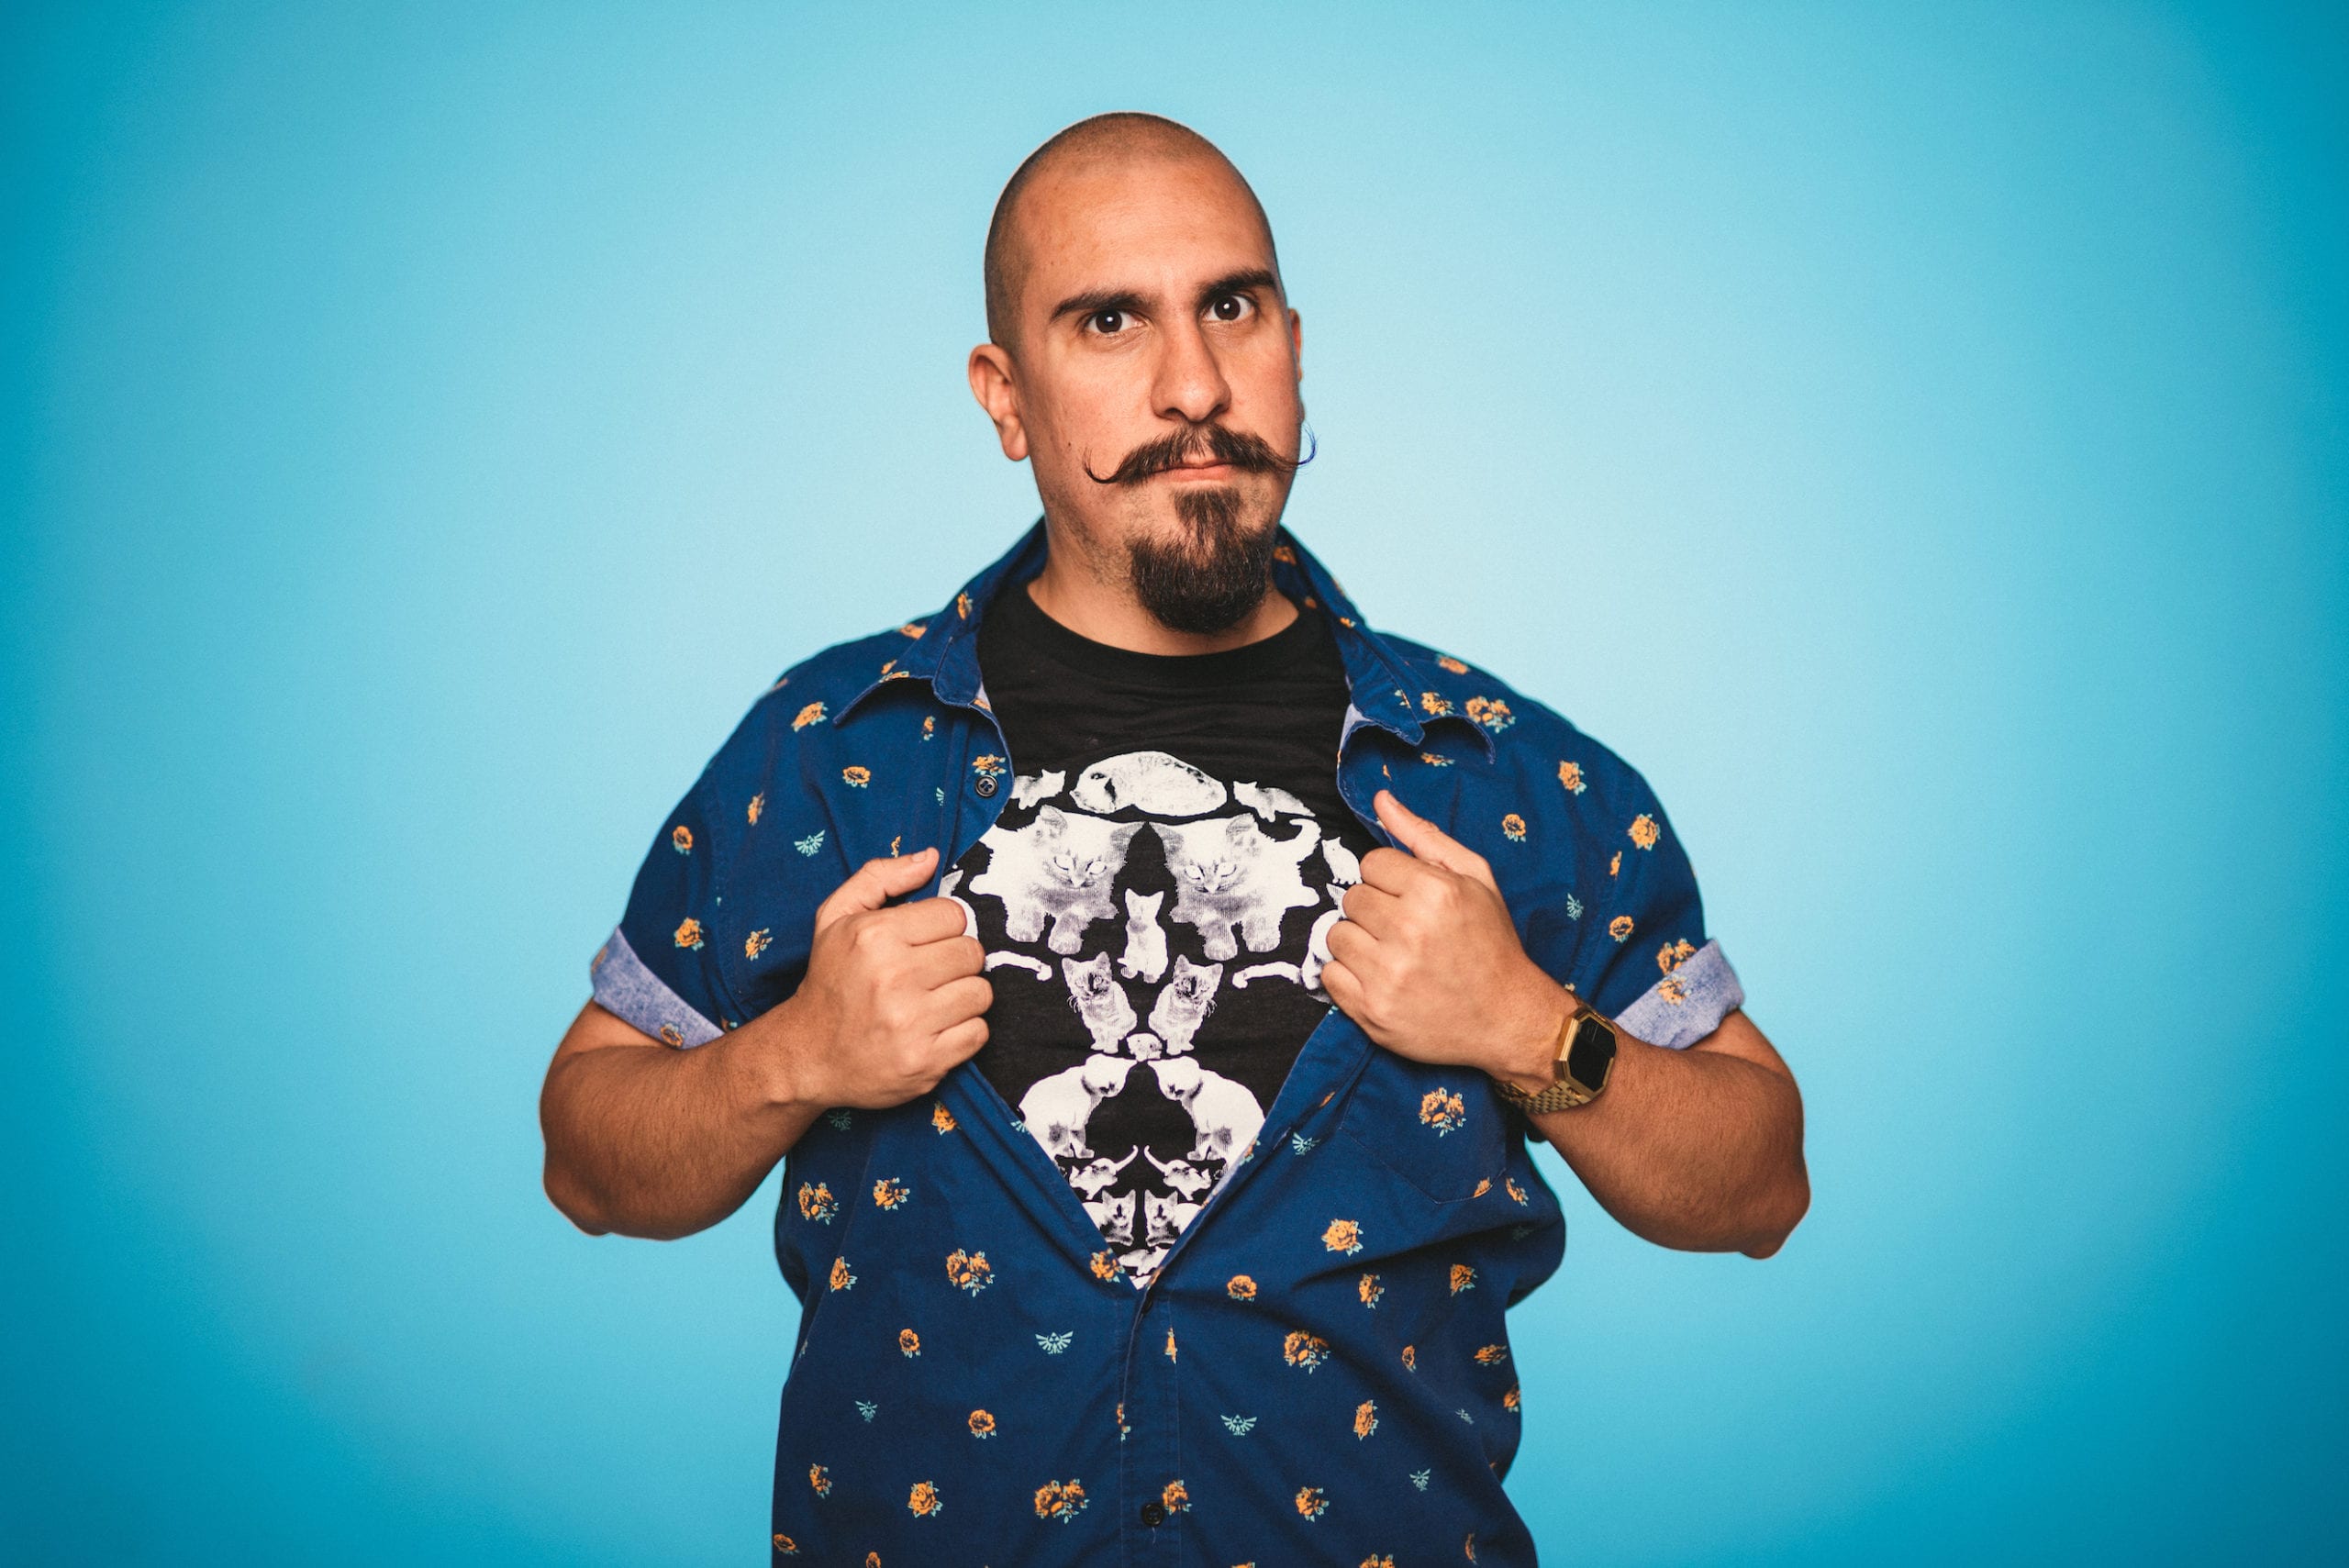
(1647, 964)
(658, 970)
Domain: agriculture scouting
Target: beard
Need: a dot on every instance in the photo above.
(1207, 582)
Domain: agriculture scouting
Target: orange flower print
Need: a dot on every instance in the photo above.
(1447, 661)
(1619, 928)
(1492, 713)
(909, 1343)
(672, 1035)
(1106, 1267)
(887, 666)
(1375, 1560)
(681, 837)
(1411, 1359)
(1672, 991)
(689, 933)
(987, 766)
(1462, 1278)
(941, 1118)
(821, 1479)
(1442, 1110)
(889, 1191)
(1239, 1288)
(785, 1547)
(1343, 1236)
(1471, 1547)
(816, 1202)
(841, 1278)
(930, 728)
(1432, 761)
(1062, 1500)
(1615, 865)
(1516, 1193)
(1644, 832)
(1434, 706)
(970, 1272)
(1513, 828)
(1570, 775)
(963, 605)
(1304, 1349)
(1492, 1355)
(1483, 1188)
(1170, 1344)
(872, 1559)
(1671, 955)
(1366, 1418)
(923, 1501)
(912, 628)
(757, 942)
(812, 714)
(1310, 1502)
(1370, 1290)
(1176, 1498)
(982, 1424)
(1346, 621)
(857, 778)
(1513, 1401)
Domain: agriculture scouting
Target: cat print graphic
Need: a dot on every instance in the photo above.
(1143, 895)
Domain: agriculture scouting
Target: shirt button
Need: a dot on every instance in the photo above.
(1154, 1512)
(986, 786)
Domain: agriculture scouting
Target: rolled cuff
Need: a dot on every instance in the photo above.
(1687, 1004)
(633, 994)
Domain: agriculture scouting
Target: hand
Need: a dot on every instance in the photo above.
(893, 997)
(1426, 961)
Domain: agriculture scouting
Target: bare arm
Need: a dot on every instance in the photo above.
(650, 1141)
(1698, 1149)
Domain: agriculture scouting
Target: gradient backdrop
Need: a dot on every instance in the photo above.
(1915, 441)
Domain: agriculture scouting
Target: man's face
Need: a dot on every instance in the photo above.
(1152, 379)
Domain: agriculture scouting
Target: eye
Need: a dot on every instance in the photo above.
(1232, 307)
(1108, 323)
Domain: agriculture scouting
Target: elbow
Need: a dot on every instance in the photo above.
(573, 1200)
(1784, 1209)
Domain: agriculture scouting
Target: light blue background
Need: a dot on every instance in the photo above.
(1916, 440)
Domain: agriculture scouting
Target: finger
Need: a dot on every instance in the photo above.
(962, 1042)
(1374, 909)
(875, 883)
(926, 920)
(934, 964)
(1425, 840)
(1353, 946)
(957, 1000)
(1344, 989)
(1392, 871)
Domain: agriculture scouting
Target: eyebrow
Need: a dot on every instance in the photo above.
(1092, 300)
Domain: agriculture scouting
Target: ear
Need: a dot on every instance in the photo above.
(993, 383)
(1296, 344)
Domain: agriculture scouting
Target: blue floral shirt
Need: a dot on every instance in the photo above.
(1319, 1372)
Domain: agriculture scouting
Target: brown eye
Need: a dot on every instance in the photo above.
(1231, 307)
(1109, 322)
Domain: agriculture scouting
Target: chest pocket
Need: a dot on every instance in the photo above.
(1442, 1129)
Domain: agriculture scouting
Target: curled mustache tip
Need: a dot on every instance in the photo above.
(1250, 454)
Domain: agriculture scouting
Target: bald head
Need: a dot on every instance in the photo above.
(1103, 143)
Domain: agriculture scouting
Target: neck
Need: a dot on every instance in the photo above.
(1093, 606)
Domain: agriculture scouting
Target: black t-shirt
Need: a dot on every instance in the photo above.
(1154, 901)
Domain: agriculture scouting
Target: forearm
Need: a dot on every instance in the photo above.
(1698, 1149)
(653, 1142)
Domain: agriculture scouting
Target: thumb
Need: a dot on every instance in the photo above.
(875, 883)
(1428, 841)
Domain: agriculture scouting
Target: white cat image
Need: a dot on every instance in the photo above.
(1269, 801)
(1166, 1215)
(1056, 1108)
(1317, 954)
(1224, 1115)
(1098, 1176)
(1029, 788)
(1059, 865)
(1099, 1001)
(1181, 1176)
(1185, 1003)
(1158, 784)
(1115, 1217)
(1146, 955)
(1228, 874)
(1342, 864)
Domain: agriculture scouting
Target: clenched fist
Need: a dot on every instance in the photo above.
(1428, 962)
(893, 997)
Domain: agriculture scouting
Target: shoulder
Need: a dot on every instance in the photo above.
(806, 697)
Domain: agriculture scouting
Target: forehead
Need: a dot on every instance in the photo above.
(1149, 223)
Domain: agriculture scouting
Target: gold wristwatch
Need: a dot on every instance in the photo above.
(1584, 1058)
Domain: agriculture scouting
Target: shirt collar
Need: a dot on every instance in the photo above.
(945, 651)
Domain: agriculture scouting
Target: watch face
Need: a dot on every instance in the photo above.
(1591, 1054)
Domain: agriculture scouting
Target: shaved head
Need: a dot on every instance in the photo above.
(1104, 141)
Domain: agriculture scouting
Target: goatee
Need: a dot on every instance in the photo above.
(1209, 583)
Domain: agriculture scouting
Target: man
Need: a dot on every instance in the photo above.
(1152, 975)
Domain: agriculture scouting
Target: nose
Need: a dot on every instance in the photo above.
(1190, 384)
